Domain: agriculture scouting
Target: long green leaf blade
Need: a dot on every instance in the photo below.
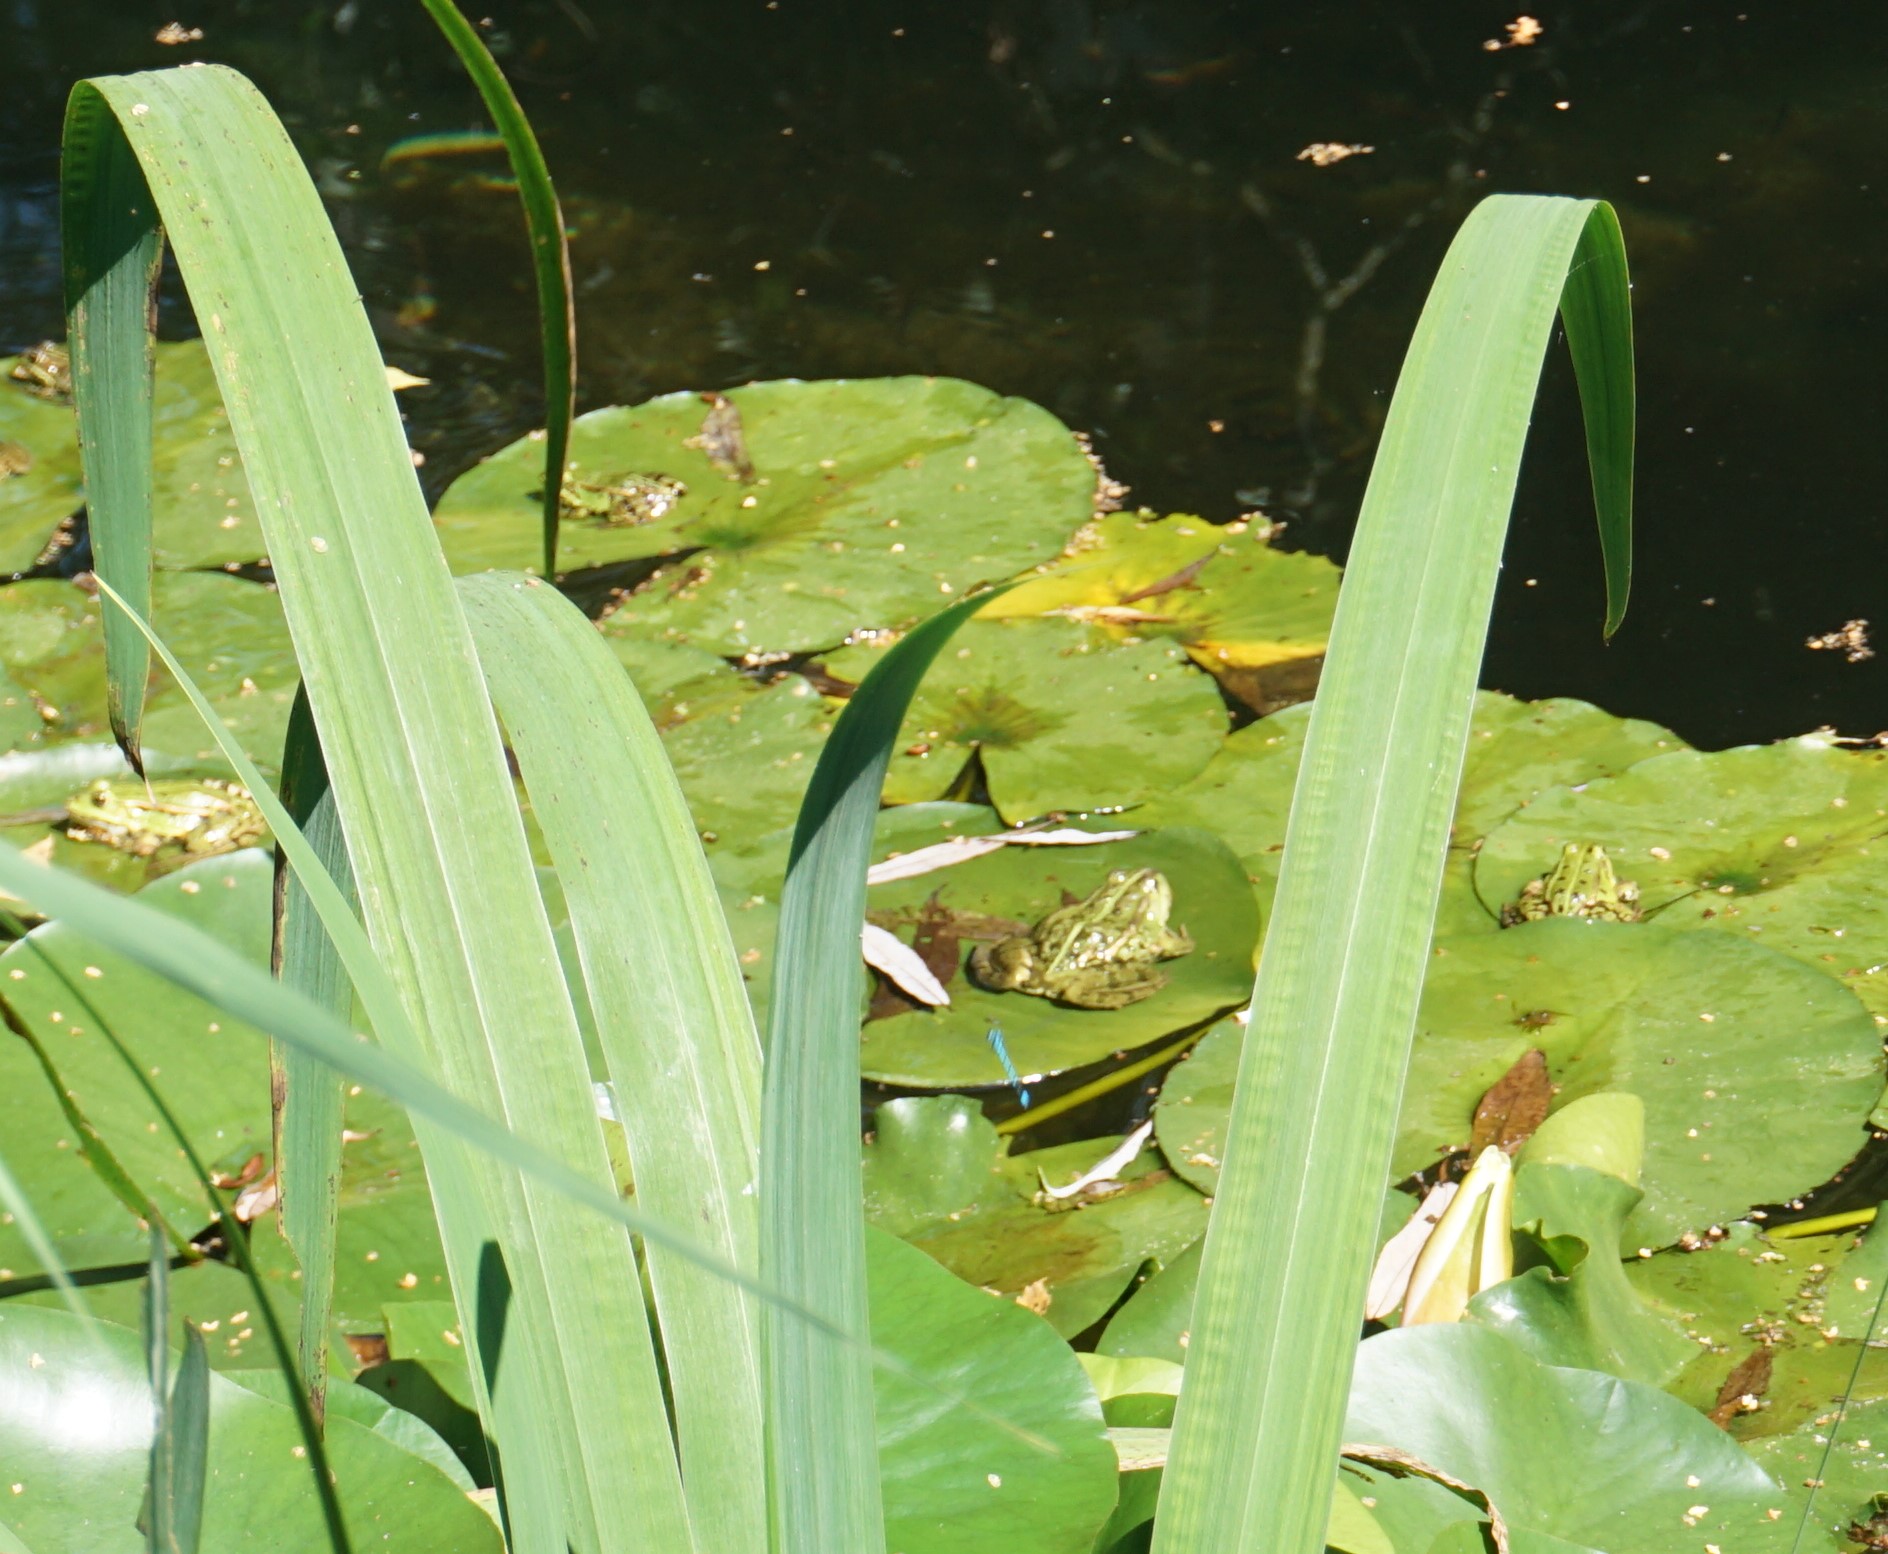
(822, 1446)
(1288, 1249)
(673, 1019)
(308, 1100)
(421, 784)
(112, 248)
(550, 252)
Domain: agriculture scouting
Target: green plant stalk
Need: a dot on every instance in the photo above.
(673, 1021)
(822, 1445)
(420, 779)
(1289, 1247)
(180, 1441)
(308, 1102)
(550, 252)
(33, 1232)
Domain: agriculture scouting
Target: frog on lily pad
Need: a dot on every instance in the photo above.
(1581, 884)
(45, 371)
(625, 500)
(198, 817)
(1097, 953)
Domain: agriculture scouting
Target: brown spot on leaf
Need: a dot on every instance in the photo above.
(1515, 1105)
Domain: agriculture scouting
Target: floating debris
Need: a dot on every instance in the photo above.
(1523, 32)
(1328, 153)
(173, 33)
(1851, 641)
(722, 439)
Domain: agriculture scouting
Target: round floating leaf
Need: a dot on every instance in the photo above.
(213, 1072)
(1780, 844)
(228, 632)
(1756, 1072)
(873, 501)
(75, 1433)
(1517, 749)
(949, 1048)
(201, 509)
(1195, 1101)
(1157, 1319)
(955, 1483)
(1078, 1259)
(1064, 716)
(931, 1156)
(1574, 1454)
(34, 500)
(1245, 611)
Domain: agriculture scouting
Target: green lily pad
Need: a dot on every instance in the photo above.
(1573, 1454)
(1081, 1259)
(212, 1071)
(1241, 608)
(371, 1411)
(1734, 1116)
(426, 1374)
(228, 632)
(1736, 1113)
(75, 1431)
(1516, 750)
(1157, 1319)
(1064, 716)
(202, 512)
(874, 501)
(1779, 844)
(1849, 1476)
(955, 1483)
(949, 1047)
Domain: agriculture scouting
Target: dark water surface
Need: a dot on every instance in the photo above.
(1099, 205)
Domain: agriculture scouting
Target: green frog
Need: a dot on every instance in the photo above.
(200, 817)
(46, 371)
(15, 459)
(1098, 953)
(1581, 884)
(622, 499)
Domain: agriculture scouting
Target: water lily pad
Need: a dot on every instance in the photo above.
(1243, 610)
(1542, 1441)
(1064, 716)
(955, 1483)
(1157, 1319)
(1778, 844)
(1694, 1024)
(1756, 1072)
(81, 1469)
(228, 632)
(1078, 1260)
(949, 1048)
(202, 512)
(1517, 749)
(874, 500)
(211, 1070)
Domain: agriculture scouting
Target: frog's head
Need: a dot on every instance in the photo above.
(1004, 966)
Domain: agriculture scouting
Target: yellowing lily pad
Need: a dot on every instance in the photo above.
(949, 1047)
(1064, 716)
(1242, 609)
(873, 501)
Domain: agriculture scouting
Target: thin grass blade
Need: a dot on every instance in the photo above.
(550, 252)
(1288, 1251)
(673, 1018)
(307, 1098)
(33, 1232)
(822, 1444)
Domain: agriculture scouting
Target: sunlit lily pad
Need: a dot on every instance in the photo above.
(955, 1483)
(1516, 750)
(202, 512)
(228, 632)
(1066, 718)
(1777, 844)
(1757, 1074)
(80, 1471)
(1079, 1260)
(211, 1070)
(949, 1048)
(874, 501)
(1542, 1442)
(1255, 616)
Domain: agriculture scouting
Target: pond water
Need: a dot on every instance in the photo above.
(1103, 207)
